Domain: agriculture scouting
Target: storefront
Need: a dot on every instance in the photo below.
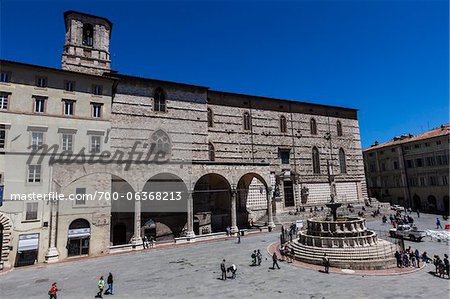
(79, 235)
(27, 250)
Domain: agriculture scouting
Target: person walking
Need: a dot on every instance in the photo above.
(418, 213)
(275, 261)
(145, 242)
(238, 238)
(53, 291)
(446, 265)
(101, 285)
(109, 281)
(223, 268)
(326, 263)
(438, 223)
(417, 254)
(259, 257)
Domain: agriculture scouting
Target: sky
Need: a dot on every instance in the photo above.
(388, 59)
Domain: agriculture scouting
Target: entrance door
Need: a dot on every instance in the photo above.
(27, 249)
(288, 194)
(78, 246)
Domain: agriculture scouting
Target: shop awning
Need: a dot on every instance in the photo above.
(79, 233)
(28, 242)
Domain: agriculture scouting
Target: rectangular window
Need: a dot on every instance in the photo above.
(284, 156)
(97, 110)
(393, 150)
(95, 144)
(433, 181)
(5, 77)
(34, 173)
(422, 182)
(413, 182)
(430, 161)
(32, 211)
(80, 199)
(419, 162)
(69, 85)
(409, 164)
(438, 142)
(39, 104)
(2, 138)
(417, 146)
(69, 107)
(445, 180)
(445, 159)
(67, 142)
(41, 81)
(395, 165)
(383, 167)
(4, 101)
(37, 140)
(97, 90)
(427, 144)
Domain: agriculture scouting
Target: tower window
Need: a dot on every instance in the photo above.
(313, 126)
(96, 110)
(283, 124)
(88, 35)
(210, 118)
(69, 85)
(41, 81)
(247, 121)
(211, 152)
(342, 161)
(160, 100)
(339, 128)
(5, 77)
(315, 160)
(97, 90)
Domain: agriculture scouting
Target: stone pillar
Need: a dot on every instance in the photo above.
(234, 228)
(270, 222)
(52, 254)
(136, 241)
(190, 216)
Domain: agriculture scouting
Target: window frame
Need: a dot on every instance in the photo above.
(283, 124)
(32, 211)
(4, 74)
(247, 121)
(41, 81)
(313, 126)
(159, 100)
(44, 105)
(316, 160)
(339, 128)
(36, 174)
(92, 143)
(97, 89)
(95, 105)
(66, 101)
(63, 143)
(38, 145)
(4, 98)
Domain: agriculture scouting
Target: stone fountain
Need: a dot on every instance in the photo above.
(345, 240)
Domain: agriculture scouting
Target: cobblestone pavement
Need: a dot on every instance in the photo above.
(193, 271)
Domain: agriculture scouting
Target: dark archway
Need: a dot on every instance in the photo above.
(417, 202)
(165, 219)
(122, 212)
(432, 203)
(119, 234)
(251, 199)
(446, 205)
(78, 237)
(212, 203)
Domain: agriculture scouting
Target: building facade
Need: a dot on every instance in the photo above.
(235, 159)
(411, 170)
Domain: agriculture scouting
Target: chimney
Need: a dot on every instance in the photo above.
(376, 142)
(410, 135)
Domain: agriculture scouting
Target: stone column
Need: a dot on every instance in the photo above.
(190, 216)
(234, 228)
(270, 195)
(52, 254)
(136, 241)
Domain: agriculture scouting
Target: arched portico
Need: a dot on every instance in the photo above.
(252, 198)
(212, 202)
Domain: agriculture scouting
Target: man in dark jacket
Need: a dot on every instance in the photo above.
(275, 261)
(223, 268)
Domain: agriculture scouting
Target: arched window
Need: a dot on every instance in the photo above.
(283, 124)
(162, 143)
(316, 160)
(339, 128)
(160, 100)
(210, 118)
(313, 126)
(211, 152)
(342, 162)
(247, 121)
(88, 35)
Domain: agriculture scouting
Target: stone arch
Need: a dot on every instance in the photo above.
(251, 204)
(417, 202)
(122, 211)
(78, 236)
(446, 205)
(432, 203)
(169, 216)
(5, 241)
(212, 202)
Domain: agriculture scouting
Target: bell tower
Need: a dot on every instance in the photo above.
(86, 45)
